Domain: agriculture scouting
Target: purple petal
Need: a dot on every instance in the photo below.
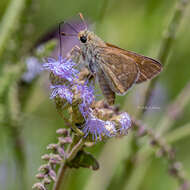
(125, 122)
(64, 68)
(97, 128)
(62, 91)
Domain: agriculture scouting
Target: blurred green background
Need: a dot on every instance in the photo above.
(136, 25)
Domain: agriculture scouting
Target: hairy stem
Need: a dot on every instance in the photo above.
(72, 152)
(61, 174)
(75, 150)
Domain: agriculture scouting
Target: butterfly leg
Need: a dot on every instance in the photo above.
(76, 55)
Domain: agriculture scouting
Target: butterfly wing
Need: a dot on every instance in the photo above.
(148, 68)
(120, 71)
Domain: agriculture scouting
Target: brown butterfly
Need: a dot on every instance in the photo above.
(116, 69)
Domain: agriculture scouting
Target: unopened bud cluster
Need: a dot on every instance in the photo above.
(47, 172)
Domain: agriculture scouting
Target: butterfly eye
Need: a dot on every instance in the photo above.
(83, 39)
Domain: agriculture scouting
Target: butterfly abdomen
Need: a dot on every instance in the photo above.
(106, 90)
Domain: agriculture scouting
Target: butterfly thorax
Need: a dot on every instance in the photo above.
(91, 49)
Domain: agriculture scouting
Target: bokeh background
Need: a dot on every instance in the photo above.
(136, 25)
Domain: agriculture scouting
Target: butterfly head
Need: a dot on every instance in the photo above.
(85, 36)
(88, 38)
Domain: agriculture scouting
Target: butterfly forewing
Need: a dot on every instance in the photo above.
(148, 68)
(120, 71)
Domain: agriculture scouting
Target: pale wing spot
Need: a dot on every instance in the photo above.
(144, 75)
(158, 66)
(155, 70)
(142, 63)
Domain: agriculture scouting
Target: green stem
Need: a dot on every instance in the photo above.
(9, 21)
(170, 34)
(72, 152)
(75, 149)
(61, 174)
(167, 42)
(174, 110)
(179, 133)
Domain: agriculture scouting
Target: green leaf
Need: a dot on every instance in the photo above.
(85, 160)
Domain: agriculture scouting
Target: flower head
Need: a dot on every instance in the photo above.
(63, 68)
(125, 122)
(98, 128)
(110, 126)
(63, 92)
(87, 95)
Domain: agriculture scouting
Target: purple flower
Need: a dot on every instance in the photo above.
(86, 93)
(125, 122)
(84, 110)
(62, 91)
(63, 68)
(98, 128)
(33, 69)
(110, 126)
(87, 96)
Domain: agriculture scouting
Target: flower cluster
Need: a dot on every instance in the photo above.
(47, 172)
(98, 120)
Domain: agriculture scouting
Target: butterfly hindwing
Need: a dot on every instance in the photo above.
(148, 68)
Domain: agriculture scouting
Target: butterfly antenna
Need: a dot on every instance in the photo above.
(82, 18)
(66, 34)
(60, 41)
